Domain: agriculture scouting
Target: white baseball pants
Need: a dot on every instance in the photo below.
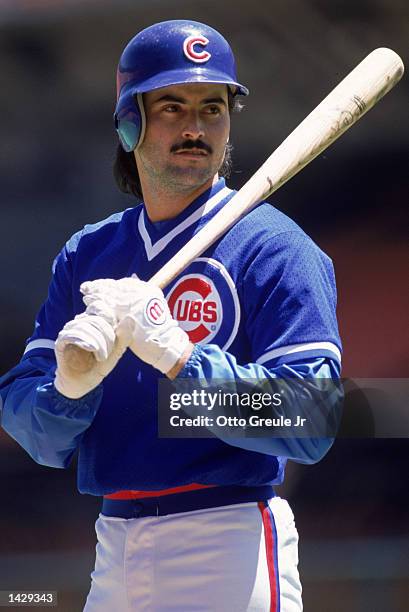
(238, 558)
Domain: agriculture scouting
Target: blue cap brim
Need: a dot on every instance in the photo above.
(195, 75)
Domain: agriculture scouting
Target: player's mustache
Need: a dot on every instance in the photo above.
(191, 144)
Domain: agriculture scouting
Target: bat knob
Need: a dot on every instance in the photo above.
(78, 360)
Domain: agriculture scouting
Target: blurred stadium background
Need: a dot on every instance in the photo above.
(58, 60)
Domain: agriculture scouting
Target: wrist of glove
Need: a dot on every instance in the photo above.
(97, 335)
(157, 338)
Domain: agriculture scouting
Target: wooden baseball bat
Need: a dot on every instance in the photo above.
(359, 91)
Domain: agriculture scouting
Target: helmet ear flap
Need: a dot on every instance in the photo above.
(141, 108)
(129, 119)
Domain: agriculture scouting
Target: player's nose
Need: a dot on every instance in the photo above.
(193, 129)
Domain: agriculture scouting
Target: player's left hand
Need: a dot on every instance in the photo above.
(157, 338)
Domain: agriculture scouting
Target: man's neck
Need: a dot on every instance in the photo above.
(162, 204)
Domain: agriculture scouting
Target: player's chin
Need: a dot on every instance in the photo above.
(193, 173)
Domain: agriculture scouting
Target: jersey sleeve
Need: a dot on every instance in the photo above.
(288, 294)
(46, 424)
(210, 363)
(57, 309)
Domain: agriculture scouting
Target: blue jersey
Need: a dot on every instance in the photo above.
(260, 300)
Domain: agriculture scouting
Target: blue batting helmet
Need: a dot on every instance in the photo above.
(168, 53)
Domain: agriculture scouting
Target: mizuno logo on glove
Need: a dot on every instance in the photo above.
(156, 311)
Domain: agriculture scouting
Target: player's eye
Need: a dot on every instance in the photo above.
(171, 108)
(213, 109)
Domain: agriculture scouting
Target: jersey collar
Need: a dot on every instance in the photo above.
(157, 236)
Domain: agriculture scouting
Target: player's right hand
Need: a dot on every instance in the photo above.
(157, 337)
(105, 343)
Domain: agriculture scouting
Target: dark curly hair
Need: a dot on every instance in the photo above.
(126, 172)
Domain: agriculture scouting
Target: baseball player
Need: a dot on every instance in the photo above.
(186, 524)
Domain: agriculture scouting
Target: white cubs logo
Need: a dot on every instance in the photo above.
(155, 311)
(195, 303)
(192, 53)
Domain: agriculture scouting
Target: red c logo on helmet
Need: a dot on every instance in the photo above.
(189, 49)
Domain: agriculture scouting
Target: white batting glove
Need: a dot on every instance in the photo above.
(96, 335)
(157, 337)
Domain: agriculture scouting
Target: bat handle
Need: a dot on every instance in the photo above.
(81, 361)
(78, 360)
